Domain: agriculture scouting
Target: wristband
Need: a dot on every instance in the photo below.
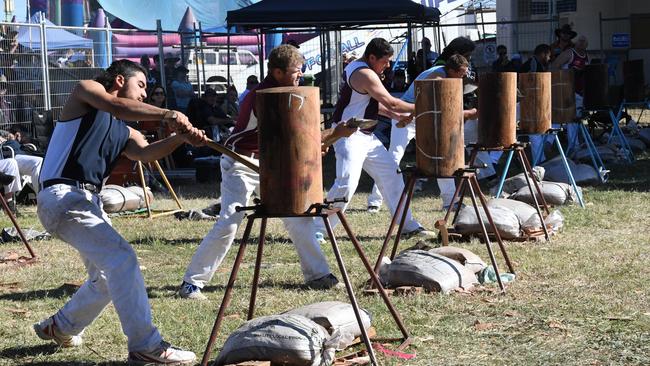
(170, 114)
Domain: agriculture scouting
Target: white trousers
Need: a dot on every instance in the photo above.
(31, 166)
(10, 167)
(237, 185)
(362, 151)
(76, 217)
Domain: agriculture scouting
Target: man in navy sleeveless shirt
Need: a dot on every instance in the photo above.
(89, 137)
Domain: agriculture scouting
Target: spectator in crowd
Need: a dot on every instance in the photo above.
(425, 57)
(9, 169)
(251, 83)
(205, 113)
(399, 81)
(515, 63)
(231, 102)
(6, 115)
(183, 91)
(157, 96)
(563, 37)
(539, 61)
(146, 63)
(8, 50)
(28, 163)
(502, 63)
(170, 67)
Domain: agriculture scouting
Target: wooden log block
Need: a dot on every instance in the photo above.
(563, 96)
(596, 87)
(633, 81)
(439, 126)
(291, 177)
(535, 102)
(497, 107)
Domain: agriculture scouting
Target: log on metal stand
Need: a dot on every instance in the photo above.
(535, 102)
(596, 87)
(563, 96)
(291, 174)
(497, 108)
(633, 81)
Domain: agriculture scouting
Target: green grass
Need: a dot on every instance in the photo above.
(581, 299)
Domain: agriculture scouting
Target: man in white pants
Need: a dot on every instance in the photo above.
(28, 165)
(455, 67)
(363, 95)
(239, 182)
(9, 167)
(89, 137)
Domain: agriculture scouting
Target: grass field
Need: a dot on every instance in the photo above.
(581, 299)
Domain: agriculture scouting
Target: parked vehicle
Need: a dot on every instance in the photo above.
(214, 61)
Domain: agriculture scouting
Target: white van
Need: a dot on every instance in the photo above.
(215, 62)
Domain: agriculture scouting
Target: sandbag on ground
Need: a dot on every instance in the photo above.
(636, 144)
(514, 183)
(117, 198)
(334, 316)
(554, 193)
(505, 220)
(468, 259)
(432, 271)
(286, 339)
(526, 214)
(644, 135)
(584, 174)
(607, 153)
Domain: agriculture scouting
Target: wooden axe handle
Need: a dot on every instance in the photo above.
(240, 158)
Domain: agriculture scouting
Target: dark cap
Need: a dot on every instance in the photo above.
(566, 29)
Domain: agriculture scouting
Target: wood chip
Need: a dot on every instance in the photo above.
(556, 325)
(17, 311)
(478, 325)
(511, 313)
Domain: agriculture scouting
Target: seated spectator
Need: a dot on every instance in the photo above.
(539, 61)
(251, 83)
(6, 115)
(29, 164)
(204, 113)
(230, 104)
(9, 167)
(399, 81)
(502, 63)
(183, 91)
(425, 57)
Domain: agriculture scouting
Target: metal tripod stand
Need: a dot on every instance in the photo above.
(317, 210)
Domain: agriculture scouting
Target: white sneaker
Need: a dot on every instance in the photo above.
(163, 355)
(373, 209)
(190, 291)
(47, 330)
(320, 238)
(420, 233)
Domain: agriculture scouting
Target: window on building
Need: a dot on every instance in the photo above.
(563, 6)
(539, 7)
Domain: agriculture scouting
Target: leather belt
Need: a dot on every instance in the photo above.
(247, 153)
(71, 182)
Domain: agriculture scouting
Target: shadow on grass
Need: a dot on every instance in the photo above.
(64, 290)
(633, 177)
(29, 351)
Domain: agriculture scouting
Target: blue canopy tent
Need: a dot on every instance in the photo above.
(57, 38)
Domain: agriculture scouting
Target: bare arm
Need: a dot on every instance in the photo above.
(137, 148)
(561, 60)
(89, 93)
(365, 80)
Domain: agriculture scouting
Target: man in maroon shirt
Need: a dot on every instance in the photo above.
(239, 182)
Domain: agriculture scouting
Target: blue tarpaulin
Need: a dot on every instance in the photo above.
(30, 37)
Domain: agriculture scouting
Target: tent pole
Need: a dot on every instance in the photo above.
(161, 55)
(197, 49)
(260, 45)
(203, 56)
(228, 51)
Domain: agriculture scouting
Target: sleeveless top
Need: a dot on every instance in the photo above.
(85, 149)
(353, 103)
(578, 64)
(409, 94)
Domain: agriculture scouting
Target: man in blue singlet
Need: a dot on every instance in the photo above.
(89, 137)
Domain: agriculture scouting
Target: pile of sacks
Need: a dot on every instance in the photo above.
(118, 199)
(441, 269)
(306, 336)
